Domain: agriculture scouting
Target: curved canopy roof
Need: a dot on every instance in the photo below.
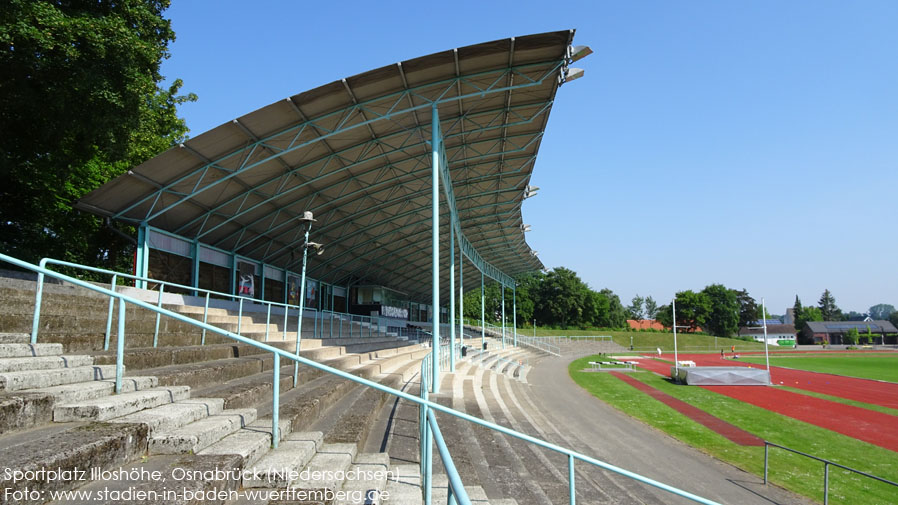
(357, 153)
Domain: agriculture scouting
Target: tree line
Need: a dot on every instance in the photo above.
(827, 310)
(558, 298)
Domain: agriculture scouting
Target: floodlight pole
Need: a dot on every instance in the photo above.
(302, 301)
(673, 308)
(503, 314)
(766, 354)
(435, 243)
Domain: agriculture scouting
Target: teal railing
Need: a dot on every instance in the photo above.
(365, 324)
(457, 493)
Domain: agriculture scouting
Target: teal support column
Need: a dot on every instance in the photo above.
(482, 313)
(461, 296)
(261, 294)
(503, 315)
(302, 301)
(451, 299)
(141, 264)
(435, 243)
(195, 273)
(233, 284)
(514, 313)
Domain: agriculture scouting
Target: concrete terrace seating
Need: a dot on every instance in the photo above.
(197, 406)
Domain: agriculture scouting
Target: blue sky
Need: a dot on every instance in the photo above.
(753, 144)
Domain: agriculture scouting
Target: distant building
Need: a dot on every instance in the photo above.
(833, 332)
(777, 334)
(644, 324)
(789, 318)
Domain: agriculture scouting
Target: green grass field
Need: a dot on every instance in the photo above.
(799, 474)
(861, 364)
(649, 341)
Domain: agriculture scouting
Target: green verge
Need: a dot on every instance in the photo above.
(882, 367)
(796, 473)
(649, 341)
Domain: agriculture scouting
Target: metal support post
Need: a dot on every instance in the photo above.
(503, 314)
(451, 298)
(109, 318)
(275, 401)
(302, 301)
(158, 316)
(205, 318)
(143, 256)
(571, 485)
(673, 308)
(120, 347)
(195, 272)
(482, 313)
(461, 296)
(435, 242)
(514, 313)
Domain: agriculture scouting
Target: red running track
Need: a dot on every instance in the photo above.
(884, 394)
(863, 424)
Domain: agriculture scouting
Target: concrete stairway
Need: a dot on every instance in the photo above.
(186, 405)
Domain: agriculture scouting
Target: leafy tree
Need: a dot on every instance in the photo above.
(651, 308)
(851, 337)
(617, 314)
(881, 311)
(828, 307)
(749, 310)
(723, 310)
(796, 312)
(664, 316)
(562, 296)
(635, 308)
(596, 309)
(854, 316)
(79, 104)
(808, 314)
(893, 318)
(692, 309)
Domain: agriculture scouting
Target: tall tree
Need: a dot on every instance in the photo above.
(749, 310)
(692, 309)
(808, 314)
(651, 308)
(563, 296)
(635, 308)
(80, 103)
(723, 310)
(664, 316)
(881, 311)
(828, 307)
(617, 314)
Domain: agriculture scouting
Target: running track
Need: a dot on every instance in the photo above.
(863, 424)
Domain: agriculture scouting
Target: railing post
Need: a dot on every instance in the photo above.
(267, 322)
(240, 317)
(766, 456)
(275, 401)
(120, 347)
(109, 317)
(205, 317)
(570, 471)
(38, 294)
(298, 341)
(158, 316)
(286, 310)
(825, 483)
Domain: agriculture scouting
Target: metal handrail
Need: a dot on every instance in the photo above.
(279, 353)
(208, 292)
(826, 464)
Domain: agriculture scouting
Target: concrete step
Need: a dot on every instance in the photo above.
(329, 462)
(200, 434)
(43, 363)
(17, 381)
(249, 444)
(172, 416)
(293, 454)
(25, 350)
(82, 391)
(405, 488)
(67, 447)
(372, 471)
(110, 407)
(14, 338)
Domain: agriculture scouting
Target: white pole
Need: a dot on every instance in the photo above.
(764, 318)
(673, 308)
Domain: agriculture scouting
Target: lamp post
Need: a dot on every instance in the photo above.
(306, 219)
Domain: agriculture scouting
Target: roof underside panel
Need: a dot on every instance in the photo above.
(356, 152)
